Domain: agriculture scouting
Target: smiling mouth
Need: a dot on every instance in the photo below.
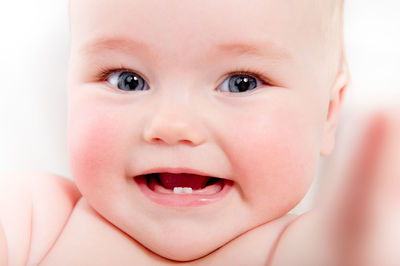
(183, 189)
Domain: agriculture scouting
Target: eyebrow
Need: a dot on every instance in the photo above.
(260, 49)
(126, 45)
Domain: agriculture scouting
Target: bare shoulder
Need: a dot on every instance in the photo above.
(34, 208)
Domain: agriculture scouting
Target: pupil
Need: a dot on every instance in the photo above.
(242, 83)
(130, 82)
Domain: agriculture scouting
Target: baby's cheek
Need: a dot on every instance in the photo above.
(93, 148)
(275, 157)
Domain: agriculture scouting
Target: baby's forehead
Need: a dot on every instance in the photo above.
(282, 28)
(278, 19)
(131, 15)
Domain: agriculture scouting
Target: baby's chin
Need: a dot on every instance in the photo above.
(187, 241)
(185, 248)
(190, 242)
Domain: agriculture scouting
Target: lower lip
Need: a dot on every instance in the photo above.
(182, 200)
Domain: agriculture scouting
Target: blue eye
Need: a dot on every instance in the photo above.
(127, 81)
(240, 83)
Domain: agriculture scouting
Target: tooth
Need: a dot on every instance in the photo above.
(187, 190)
(178, 190)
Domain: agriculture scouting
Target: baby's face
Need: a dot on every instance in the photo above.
(234, 90)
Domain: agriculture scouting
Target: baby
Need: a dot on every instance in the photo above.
(194, 128)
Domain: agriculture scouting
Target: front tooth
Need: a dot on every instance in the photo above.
(187, 190)
(178, 190)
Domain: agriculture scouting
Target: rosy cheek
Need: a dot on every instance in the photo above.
(92, 146)
(274, 156)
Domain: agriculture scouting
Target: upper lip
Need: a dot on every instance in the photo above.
(175, 171)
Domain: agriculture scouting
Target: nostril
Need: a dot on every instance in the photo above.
(157, 140)
(162, 141)
(187, 142)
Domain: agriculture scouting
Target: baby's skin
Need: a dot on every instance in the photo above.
(358, 227)
(194, 127)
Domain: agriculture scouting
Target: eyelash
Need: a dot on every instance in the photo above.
(105, 73)
(251, 72)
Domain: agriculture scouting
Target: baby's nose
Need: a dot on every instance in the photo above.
(172, 125)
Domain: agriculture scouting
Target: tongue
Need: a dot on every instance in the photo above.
(170, 181)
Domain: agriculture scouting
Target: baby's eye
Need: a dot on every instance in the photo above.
(127, 81)
(240, 83)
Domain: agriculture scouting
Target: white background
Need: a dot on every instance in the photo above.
(33, 65)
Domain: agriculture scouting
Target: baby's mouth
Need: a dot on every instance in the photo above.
(183, 189)
(183, 183)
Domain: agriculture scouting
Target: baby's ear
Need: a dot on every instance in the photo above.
(338, 92)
